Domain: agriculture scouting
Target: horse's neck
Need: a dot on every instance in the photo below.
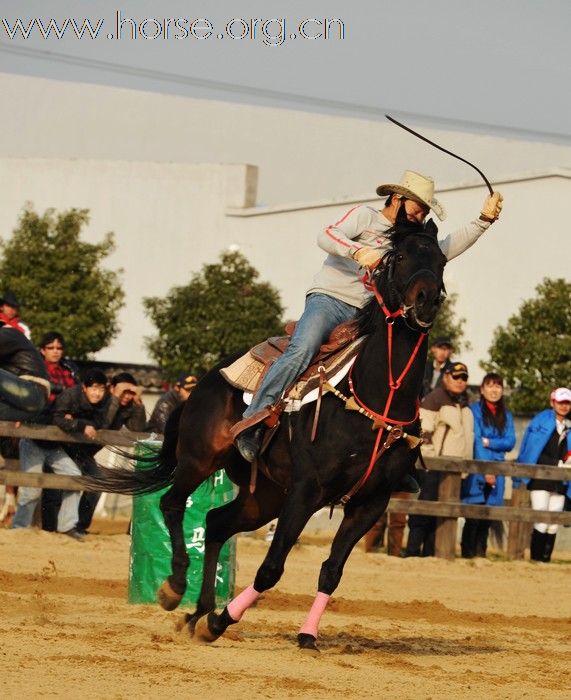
(371, 376)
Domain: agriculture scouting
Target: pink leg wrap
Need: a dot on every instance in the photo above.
(311, 624)
(238, 606)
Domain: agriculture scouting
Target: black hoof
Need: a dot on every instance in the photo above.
(307, 641)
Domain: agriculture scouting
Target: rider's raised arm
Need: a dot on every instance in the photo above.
(460, 240)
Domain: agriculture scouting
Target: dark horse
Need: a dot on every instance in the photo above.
(302, 476)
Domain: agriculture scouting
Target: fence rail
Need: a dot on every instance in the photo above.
(447, 509)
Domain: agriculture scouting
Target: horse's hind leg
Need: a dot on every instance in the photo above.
(173, 505)
(245, 513)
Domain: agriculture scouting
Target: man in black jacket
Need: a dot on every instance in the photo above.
(83, 409)
(24, 384)
(166, 404)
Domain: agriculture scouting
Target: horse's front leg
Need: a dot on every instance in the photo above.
(357, 520)
(298, 506)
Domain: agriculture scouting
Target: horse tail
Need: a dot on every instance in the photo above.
(156, 468)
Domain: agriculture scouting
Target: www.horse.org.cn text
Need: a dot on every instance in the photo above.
(269, 32)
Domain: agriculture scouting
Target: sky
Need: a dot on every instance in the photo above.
(496, 66)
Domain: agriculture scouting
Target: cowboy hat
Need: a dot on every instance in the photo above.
(418, 187)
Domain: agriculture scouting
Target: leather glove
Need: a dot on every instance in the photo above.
(367, 257)
(492, 207)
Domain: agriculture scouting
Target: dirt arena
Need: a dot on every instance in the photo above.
(397, 628)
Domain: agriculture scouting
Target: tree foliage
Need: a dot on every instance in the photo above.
(221, 310)
(533, 350)
(59, 280)
(448, 326)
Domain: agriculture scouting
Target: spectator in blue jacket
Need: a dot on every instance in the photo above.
(494, 435)
(547, 441)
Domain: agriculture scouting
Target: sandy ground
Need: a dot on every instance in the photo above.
(397, 628)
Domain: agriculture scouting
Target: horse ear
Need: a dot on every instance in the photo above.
(431, 228)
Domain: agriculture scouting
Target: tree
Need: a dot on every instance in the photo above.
(448, 326)
(533, 351)
(221, 310)
(59, 281)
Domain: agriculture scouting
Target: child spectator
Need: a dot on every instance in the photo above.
(494, 435)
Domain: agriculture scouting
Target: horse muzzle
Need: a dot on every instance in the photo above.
(422, 299)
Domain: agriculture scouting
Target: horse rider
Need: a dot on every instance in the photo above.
(358, 240)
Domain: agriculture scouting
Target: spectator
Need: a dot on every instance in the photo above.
(494, 435)
(60, 507)
(547, 441)
(166, 404)
(441, 350)
(394, 525)
(24, 385)
(124, 408)
(10, 314)
(447, 428)
(63, 374)
(83, 409)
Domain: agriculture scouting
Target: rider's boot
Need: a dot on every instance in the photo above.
(250, 440)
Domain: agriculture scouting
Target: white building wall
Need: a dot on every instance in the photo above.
(302, 156)
(170, 219)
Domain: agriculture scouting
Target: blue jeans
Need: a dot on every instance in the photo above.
(20, 399)
(32, 458)
(320, 316)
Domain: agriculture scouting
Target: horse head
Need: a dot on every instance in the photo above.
(411, 277)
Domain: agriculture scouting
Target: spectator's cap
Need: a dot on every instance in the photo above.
(561, 394)
(10, 299)
(186, 380)
(442, 342)
(419, 188)
(458, 370)
(123, 377)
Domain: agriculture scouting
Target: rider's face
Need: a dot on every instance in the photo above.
(415, 212)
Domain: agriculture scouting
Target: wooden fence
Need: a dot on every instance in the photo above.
(447, 509)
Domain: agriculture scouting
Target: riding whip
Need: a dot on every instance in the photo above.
(440, 148)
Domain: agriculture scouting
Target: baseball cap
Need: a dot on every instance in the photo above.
(456, 369)
(186, 380)
(442, 342)
(561, 394)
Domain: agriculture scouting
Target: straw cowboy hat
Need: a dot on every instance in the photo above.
(417, 187)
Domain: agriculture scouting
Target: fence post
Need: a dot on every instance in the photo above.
(446, 528)
(519, 532)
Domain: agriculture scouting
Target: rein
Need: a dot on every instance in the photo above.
(381, 421)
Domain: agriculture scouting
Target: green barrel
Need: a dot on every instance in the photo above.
(150, 561)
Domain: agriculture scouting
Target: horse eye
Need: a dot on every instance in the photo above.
(400, 257)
